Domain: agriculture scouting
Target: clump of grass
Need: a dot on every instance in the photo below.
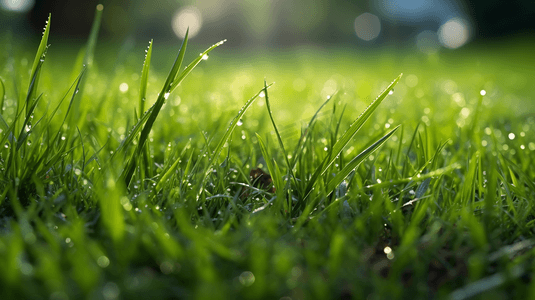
(128, 208)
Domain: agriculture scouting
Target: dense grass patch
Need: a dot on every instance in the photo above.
(340, 180)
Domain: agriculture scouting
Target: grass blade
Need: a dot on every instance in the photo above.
(348, 135)
(281, 144)
(37, 62)
(356, 161)
(164, 94)
(275, 174)
(24, 131)
(357, 124)
(2, 94)
(226, 137)
(93, 35)
(176, 82)
(144, 79)
(87, 63)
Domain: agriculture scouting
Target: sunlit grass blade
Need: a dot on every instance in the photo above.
(2, 94)
(432, 174)
(87, 63)
(26, 124)
(357, 124)
(37, 62)
(308, 131)
(273, 171)
(348, 135)
(469, 185)
(226, 136)
(76, 85)
(164, 94)
(204, 55)
(132, 134)
(171, 170)
(356, 161)
(144, 79)
(142, 98)
(279, 139)
(93, 35)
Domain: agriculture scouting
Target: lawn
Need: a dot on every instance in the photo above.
(307, 173)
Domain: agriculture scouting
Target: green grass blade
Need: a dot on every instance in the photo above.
(176, 82)
(232, 126)
(76, 85)
(279, 139)
(300, 145)
(164, 94)
(129, 139)
(93, 35)
(170, 171)
(275, 174)
(75, 119)
(144, 79)
(2, 94)
(24, 131)
(348, 135)
(37, 62)
(356, 161)
(227, 135)
(357, 124)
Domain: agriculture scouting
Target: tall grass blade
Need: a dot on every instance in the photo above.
(37, 62)
(87, 63)
(279, 139)
(93, 35)
(170, 171)
(2, 95)
(24, 131)
(275, 173)
(227, 135)
(142, 96)
(300, 144)
(164, 94)
(348, 135)
(204, 55)
(144, 79)
(356, 161)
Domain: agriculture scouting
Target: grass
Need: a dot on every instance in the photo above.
(129, 183)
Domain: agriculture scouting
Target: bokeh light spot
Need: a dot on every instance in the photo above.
(367, 26)
(123, 87)
(427, 42)
(187, 17)
(17, 5)
(411, 80)
(454, 33)
(247, 278)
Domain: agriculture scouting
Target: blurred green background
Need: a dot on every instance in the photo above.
(427, 25)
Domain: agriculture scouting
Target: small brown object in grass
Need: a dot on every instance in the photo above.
(262, 180)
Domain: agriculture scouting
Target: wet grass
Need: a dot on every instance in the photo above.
(340, 180)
